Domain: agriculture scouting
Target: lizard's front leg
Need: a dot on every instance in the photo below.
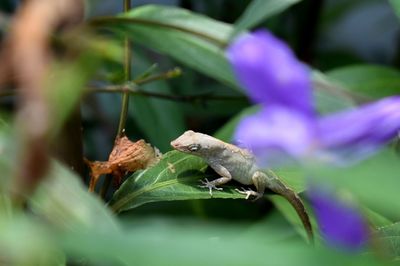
(225, 178)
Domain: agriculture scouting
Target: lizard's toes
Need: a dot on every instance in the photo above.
(207, 184)
(248, 193)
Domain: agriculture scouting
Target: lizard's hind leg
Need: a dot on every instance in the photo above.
(259, 181)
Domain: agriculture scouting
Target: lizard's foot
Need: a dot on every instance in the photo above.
(209, 185)
(249, 192)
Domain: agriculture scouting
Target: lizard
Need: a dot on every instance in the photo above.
(234, 163)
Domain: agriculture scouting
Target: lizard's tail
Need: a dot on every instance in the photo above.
(294, 199)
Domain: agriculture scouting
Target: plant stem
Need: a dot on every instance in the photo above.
(127, 77)
(125, 97)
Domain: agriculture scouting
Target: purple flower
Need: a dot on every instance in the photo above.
(287, 124)
(340, 223)
(263, 63)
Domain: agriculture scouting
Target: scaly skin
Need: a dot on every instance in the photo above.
(232, 162)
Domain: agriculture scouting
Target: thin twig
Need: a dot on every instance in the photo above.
(176, 72)
(132, 88)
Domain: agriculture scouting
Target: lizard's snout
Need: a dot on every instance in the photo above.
(174, 144)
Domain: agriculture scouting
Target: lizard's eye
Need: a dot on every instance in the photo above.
(194, 147)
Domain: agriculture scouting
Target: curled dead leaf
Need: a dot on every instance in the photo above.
(126, 156)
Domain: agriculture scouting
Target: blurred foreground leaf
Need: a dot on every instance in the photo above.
(157, 242)
(67, 80)
(63, 200)
(25, 242)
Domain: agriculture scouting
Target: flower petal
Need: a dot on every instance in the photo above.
(267, 68)
(273, 132)
(361, 129)
(340, 223)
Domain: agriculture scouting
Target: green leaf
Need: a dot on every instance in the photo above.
(368, 82)
(389, 236)
(175, 177)
(181, 20)
(396, 7)
(192, 39)
(259, 10)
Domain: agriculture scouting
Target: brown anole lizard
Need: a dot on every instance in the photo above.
(234, 163)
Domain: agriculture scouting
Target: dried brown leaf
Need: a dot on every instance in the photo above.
(126, 156)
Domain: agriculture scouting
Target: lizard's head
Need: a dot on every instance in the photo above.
(192, 142)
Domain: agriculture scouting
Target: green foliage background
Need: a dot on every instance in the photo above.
(159, 216)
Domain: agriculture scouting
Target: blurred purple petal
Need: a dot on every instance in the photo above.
(267, 68)
(363, 128)
(340, 223)
(272, 76)
(272, 129)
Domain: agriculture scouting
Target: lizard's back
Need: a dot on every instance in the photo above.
(240, 163)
